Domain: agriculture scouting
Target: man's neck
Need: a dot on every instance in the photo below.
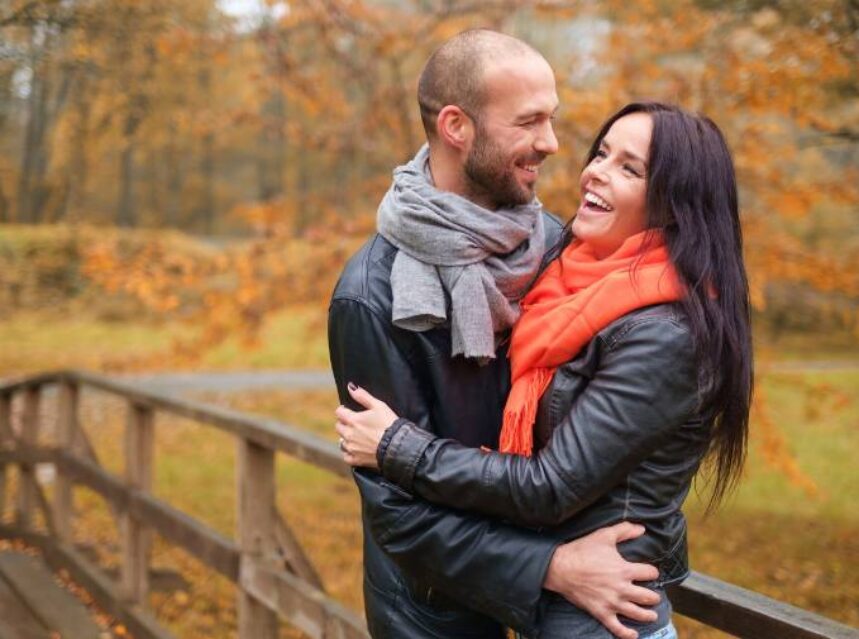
(447, 175)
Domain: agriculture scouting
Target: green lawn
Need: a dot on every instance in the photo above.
(37, 341)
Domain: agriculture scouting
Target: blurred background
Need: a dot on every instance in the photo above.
(182, 181)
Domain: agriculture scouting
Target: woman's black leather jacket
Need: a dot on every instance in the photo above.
(621, 431)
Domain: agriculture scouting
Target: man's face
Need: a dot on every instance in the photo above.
(513, 133)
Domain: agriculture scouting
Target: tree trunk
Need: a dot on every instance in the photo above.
(174, 181)
(126, 213)
(206, 208)
(272, 139)
(4, 205)
(207, 167)
(32, 158)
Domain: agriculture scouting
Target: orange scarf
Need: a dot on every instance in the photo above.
(574, 299)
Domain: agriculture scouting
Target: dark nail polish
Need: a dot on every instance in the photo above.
(352, 386)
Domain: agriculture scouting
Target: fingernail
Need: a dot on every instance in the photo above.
(352, 386)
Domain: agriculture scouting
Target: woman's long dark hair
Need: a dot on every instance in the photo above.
(692, 198)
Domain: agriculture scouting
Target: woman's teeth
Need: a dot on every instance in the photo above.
(596, 200)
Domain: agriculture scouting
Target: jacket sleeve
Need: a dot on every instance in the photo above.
(644, 388)
(491, 567)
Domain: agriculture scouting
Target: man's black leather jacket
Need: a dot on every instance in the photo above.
(485, 564)
(621, 431)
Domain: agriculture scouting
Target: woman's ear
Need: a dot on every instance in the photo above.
(455, 128)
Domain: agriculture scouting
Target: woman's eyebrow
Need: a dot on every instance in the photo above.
(634, 156)
(624, 153)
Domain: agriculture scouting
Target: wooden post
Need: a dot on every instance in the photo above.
(256, 532)
(136, 537)
(5, 440)
(66, 436)
(28, 437)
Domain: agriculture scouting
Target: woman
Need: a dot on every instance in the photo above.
(631, 363)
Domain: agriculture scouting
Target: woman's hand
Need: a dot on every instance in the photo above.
(361, 432)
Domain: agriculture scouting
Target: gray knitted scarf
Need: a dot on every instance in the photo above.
(450, 247)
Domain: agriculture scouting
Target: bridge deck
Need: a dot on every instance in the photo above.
(34, 606)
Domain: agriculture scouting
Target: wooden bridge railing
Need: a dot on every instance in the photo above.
(274, 576)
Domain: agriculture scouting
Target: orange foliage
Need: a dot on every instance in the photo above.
(321, 99)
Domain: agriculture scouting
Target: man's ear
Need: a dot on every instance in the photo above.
(455, 128)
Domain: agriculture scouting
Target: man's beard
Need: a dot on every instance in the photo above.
(490, 174)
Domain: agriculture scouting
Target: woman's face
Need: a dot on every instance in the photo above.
(614, 186)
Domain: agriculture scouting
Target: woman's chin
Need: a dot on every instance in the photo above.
(585, 228)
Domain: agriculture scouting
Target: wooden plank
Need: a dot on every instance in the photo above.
(305, 607)
(210, 547)
(31, 381)
(750, 615)
(28, 437)
(6, 439)
(136, 538)
(16, 621)
(207, 545)
(45, 507)
(56, 608)
(67, 427)
(256, 532)
(105, 591)
(95, 478)
(293, 554)
(267, 433)
(6, 434)
(139, 622)
(30, 455)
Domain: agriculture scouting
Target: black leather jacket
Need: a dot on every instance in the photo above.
(490, 566)
(622, 430)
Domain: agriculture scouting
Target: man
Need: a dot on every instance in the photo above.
(419, 319)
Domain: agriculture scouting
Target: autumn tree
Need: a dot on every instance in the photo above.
(285, 129)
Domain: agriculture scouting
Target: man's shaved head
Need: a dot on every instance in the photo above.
(455, 71)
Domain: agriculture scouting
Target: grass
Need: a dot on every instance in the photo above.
(818, 415)
(294, 338)
(772, 535)
(40, 340)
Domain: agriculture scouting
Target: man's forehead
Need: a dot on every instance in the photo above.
(524, 84)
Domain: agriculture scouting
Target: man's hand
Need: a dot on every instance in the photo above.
(590, 573)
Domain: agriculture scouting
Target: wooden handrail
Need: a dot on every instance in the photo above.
(264, 587)
(265, 544)
(265, 432)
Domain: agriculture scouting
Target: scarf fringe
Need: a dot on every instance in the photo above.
(517, 434)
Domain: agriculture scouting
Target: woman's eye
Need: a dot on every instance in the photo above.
(629, 169)
(601, 154)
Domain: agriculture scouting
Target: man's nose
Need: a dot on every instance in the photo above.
(546, 141)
